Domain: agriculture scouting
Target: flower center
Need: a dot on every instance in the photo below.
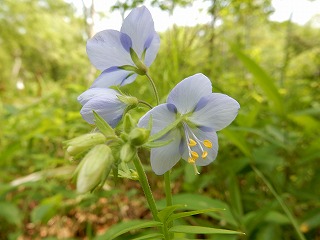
(196, 147)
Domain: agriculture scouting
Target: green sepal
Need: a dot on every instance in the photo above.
(82, 143)
(142, 69)
(200, 230)
(128, 123)
(157, 144)
(127, 152)
(165, 130)
(138, 136)
(102, 125)
(129, 68)
(126, 172)
(128, 100)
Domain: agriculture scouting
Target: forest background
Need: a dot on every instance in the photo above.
(266, 175)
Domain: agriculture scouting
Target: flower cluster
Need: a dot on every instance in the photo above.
(121, 56)
(182, 128)
(201, 114)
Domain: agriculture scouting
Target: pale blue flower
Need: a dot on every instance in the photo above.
(112, 51)
(103, 101)
(202, 113)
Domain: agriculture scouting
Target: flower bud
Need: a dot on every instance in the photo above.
(128, 100)
(82, 143)
(139, 136)
(94, 168)
(127, 152)
(128, 123)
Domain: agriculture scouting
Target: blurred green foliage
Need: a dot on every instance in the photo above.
(272, 69)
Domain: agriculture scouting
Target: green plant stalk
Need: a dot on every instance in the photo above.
(282, 204)
(166, 233)
(147, 192)
(154, 88)
(145, 103)
(167, 188)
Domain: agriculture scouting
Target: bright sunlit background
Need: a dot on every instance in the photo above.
(300, 11)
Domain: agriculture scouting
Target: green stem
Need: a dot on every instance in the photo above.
(146, 188)
(145, 103)
(282, 204)
(167, 188)
(147, 192)
(154, 88)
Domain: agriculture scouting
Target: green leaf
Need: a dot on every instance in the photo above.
(199, 202)
(266, 82)
(191, 213)
(46, 209)
(124, 227)
(167, 211)
(102, 125)
(201, 230)
(235, 196)
(10, 213)
(152, 236)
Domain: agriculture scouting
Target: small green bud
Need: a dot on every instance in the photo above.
(128, 100)
(128, 123)
(139, 136)
(127, 152)
(82, 143)
(94, 168)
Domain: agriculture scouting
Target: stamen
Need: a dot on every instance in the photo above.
(204, 154)
(192, 142)
(195, 169)
(207, 143)
(194, 154)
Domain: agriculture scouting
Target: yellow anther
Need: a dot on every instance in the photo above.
(204, 154)
(207, 143)
(194, 155)
(192, 142)
(191, 160)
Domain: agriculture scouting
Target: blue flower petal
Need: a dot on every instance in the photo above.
(109, 107)
(126, 42)
(218, 113)
(161, 118)
(113, 78)
(152, 48)
(164, 158)
(95, 92)
(186, 94)
(105, 50)
(139, 26)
